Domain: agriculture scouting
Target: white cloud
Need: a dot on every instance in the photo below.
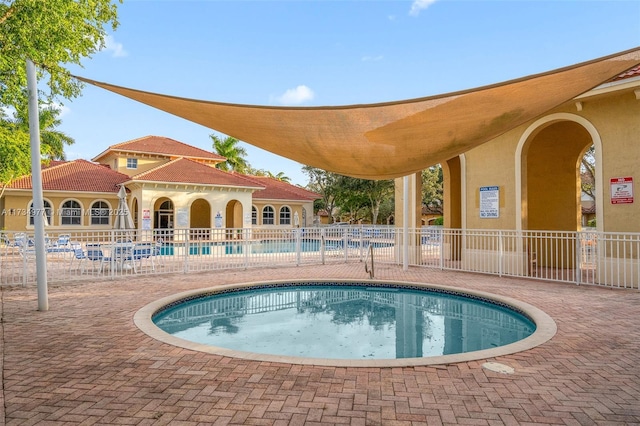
(418, 5)
(116, 49)
(372, 58)
(297, 96)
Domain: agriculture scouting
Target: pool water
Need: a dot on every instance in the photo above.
(344, 322)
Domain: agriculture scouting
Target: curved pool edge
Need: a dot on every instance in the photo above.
(546, 328)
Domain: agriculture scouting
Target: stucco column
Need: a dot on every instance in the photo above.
(414, 203)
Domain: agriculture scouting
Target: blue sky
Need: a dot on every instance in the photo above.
(324, 52)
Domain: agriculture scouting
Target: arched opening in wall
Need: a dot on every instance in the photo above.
(200, 219)
(452, 207)
(233, 218)
(588, 189)
(551, 192)
(432, 194)
(163, 217)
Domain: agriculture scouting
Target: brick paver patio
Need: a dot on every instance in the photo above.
(85, 362)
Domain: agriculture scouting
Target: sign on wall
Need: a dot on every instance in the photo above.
(489, 202)
(146, 219)
(621, 190)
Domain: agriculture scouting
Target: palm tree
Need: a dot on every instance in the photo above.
(53, 141)
(282, 177)
(229, 148)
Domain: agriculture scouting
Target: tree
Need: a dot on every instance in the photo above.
(281, 177)
(588, 173)
(15, 158)
(350, 198)
(432, 189)
(52, 141)
(326, 184)
(53, 34)
(362, 193)
(230, 149)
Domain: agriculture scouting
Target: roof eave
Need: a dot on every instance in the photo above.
(212, 185)
(613, 86)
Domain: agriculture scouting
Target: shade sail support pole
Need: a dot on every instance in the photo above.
(405, 223)
(38, 199)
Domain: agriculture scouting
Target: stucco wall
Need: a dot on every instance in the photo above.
(617, 119)
(16, 205)
(548, 189)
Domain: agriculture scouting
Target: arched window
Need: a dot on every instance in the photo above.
(267, 215)
(254, 215)
(71, 213)
(285, 216)
(47, 211)
(100, 213)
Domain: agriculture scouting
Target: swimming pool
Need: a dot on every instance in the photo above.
(266, 246)
(346, 323)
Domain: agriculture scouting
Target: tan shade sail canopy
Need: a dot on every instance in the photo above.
(393, 139)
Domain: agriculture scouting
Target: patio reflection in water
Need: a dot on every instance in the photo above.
(345, 322)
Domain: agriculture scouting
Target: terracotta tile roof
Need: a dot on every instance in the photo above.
(77, 175)
(184, 170)
(275, 189)
(633, 72)
(163, 146)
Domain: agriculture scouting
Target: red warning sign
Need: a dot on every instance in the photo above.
(621, 190)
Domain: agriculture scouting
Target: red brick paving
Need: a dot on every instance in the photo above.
(85, 362)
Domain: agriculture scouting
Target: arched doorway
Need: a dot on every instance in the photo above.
(453, 217)
(551, 176)
(200, 219)
(233, 216)
(548, 161)
(163, 217)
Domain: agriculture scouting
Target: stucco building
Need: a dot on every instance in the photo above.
(170, 185)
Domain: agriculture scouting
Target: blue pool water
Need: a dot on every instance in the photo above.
(344, 321)
(269, 246)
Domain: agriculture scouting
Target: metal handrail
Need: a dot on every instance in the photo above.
(366, 266)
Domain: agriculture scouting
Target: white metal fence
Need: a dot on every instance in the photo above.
(608, 259)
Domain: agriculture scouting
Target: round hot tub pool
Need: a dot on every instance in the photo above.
(346, 322)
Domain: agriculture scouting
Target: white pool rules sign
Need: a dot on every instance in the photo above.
(489, 202)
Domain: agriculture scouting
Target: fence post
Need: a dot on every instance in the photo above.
(345, 243)
(500, 253)
(297, 234)
(578, 256)
(187, 248)
(441, 231)
(323, 242)
(246, 249)
(112, 262)
(24, 255)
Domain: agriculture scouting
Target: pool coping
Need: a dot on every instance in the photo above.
(546, 327)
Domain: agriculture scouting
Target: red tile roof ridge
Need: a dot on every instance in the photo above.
(232, 179)
(296, 192)
(77, 175)
(153, 169)
(193, 149)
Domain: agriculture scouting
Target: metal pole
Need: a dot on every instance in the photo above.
(36, 179)
(405, 224)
